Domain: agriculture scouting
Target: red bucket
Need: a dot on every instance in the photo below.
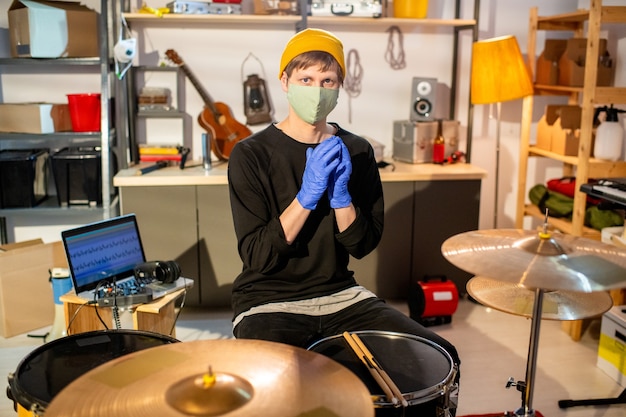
(84, 112)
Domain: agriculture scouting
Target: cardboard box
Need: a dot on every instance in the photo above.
(35, 118)
(26, 298)
(566, 131)
(572, 64)
(612, 346)
(558, 130)
(547, 69)
(52, 29)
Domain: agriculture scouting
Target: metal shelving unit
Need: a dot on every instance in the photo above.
(177, 111)
(112, 138)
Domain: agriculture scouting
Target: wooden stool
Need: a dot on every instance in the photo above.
(158, 316)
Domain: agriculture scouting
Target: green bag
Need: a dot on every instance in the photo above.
(599, 219)
(558, 205)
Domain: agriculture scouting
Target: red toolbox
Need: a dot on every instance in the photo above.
(433, 300)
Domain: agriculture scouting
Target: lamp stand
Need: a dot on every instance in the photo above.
(497, 176)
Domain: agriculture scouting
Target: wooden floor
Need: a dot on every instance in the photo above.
(493, 347)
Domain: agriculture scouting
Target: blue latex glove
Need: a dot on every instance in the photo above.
(321, 161)
(338, 185)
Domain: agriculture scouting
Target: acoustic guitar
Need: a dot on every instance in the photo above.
(216, 118)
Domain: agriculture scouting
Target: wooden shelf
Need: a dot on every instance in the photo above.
(583, 23)
(615, 95)
(176, 20)
(597, 167)
(574, 20)
(563, 225)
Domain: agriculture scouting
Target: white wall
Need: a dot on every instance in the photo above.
(215, 55)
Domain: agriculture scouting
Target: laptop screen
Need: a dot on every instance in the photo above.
(105, 250)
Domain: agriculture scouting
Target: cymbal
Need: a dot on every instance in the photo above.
(519, 300)
(233, 377)
(539, 260)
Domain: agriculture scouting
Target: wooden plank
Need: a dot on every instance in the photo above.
(563, 225)
(586, 124)
(615, 95)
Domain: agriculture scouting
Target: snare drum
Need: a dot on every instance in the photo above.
(49, 368)
(423, 371)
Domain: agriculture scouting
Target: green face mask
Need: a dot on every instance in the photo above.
(312, 104)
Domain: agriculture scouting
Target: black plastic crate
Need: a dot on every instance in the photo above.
(23, 177)
(77, 176)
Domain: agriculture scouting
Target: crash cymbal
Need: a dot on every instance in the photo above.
(216, 377)
(519, 300)
(539, 260)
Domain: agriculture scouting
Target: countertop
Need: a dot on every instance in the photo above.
(194, 174)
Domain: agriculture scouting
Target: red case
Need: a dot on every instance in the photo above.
(442, 298)
(433, 297)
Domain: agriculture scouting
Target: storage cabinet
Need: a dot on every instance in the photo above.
(582, 166)
(111, 139)
(185, 216)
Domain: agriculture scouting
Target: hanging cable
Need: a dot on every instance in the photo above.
(395, 58)
(354, 76)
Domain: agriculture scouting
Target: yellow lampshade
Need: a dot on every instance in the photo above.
(498, 71)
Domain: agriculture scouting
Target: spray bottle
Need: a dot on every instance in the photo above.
(609, 134)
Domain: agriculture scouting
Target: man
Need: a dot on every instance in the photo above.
(305, 196)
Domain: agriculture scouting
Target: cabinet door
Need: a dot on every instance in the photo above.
(442, 209)
(217, 246)
(386, 271)
(167, 223)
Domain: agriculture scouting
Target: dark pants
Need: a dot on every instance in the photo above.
(302, 330)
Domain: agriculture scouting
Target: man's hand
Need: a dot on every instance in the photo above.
(321, 161)
(338, 185)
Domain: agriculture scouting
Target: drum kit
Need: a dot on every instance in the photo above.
(108, 373)
(111, 373)
(214, 378)
(541, 275)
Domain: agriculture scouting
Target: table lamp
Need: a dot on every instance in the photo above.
(499, 74)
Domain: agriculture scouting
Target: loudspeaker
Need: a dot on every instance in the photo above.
(163, 271)
(423, 99)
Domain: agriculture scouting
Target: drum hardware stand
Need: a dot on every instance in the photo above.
(620, 399)
(527, 387)
(533, 266)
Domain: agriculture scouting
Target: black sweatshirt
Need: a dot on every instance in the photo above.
(264, 176)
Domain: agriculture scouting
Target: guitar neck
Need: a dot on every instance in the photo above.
(203, 93)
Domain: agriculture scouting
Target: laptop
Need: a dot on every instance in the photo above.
(105, 253)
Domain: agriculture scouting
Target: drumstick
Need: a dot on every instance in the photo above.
(394, 388)
(370, 366)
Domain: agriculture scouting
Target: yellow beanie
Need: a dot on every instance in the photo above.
(312, 40)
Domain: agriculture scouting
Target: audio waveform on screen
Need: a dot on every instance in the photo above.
(99, 256)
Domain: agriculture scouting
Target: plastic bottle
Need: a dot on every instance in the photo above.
(439, 146)
(609, 134)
